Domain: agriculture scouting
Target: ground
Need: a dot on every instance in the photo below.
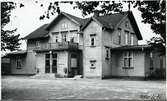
(28, 88)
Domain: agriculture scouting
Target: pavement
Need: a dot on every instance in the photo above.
(27, 88)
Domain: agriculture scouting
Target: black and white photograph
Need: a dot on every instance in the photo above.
(83, 50)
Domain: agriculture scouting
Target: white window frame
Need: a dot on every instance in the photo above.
(37, 43)
(126, 37)
(64, 25)
(92, 36)
(132, 39)
(119, 36)
(129, 56)
(92, 41)
(107, 57)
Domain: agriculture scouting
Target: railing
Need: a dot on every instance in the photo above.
(57, 46)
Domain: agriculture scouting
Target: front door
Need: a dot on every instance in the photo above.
(74, 69)
(51, 63)
(47, 63)
(54, 61)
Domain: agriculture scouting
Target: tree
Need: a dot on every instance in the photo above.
(102, 7)
(9, 41)
(154, 13)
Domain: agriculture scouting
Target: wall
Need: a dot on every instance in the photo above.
(118, 63)
(62, 62)
(28, 64)
(31, 43)
(71, 30)
(40, 62)
(147, 63)
(110, 39)
(121, 25)
(106, 63)
(92, 53)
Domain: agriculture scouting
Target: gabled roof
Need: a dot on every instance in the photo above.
(75, 19)
(38, 33)
(110, 21)
(107, 21)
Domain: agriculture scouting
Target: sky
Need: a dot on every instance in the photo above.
(26, 19)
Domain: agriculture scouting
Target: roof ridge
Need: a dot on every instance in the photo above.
(113, 14)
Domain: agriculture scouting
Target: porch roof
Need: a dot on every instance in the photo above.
(132, 47)
(23, 52)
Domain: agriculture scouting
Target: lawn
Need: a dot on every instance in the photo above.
(28, 88)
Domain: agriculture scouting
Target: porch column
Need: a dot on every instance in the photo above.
(50, 52)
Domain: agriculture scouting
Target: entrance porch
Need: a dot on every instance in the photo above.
(61, 63)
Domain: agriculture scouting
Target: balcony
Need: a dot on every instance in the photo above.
(57, 46)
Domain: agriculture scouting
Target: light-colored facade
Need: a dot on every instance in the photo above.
(89, 48)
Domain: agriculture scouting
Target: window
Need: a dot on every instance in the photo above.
(54, 62)
(56, 38)
(37, 43)
(126, 24)
(107, 53)
(92, 64)
(54, 55)
(47, 55)
(128, 60)
(64, 26)
(119, 36)
(74, 63)
(131, 40)
(72, 39)
(18, 63)
(151, 61)
(64, 37)
(92, 39)
(126, 37)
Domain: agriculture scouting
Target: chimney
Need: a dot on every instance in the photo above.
(96, 13)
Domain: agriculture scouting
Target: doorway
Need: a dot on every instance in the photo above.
(74, 68)
(51, 63)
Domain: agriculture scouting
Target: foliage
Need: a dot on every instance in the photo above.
(9, 41)
(154, 13)
(102, 7)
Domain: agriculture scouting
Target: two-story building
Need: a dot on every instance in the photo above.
(96, 47)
